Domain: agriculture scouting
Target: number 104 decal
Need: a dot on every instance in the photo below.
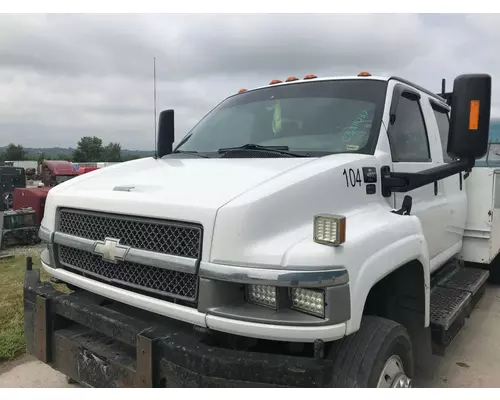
(352, 177)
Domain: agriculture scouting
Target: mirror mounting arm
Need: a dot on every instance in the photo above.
(402, 182)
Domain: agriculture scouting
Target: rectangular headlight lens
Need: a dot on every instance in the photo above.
(262, 295)
(329, 229)
(308, 301)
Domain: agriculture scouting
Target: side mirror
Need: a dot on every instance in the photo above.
(470, 117)
(165, 132)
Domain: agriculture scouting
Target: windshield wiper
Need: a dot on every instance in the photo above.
(273, 149)
(193, 152)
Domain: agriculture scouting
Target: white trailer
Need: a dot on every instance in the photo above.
(23, 164)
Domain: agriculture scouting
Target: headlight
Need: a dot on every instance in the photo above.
(262, 295)
(329, 229)
(308, 301)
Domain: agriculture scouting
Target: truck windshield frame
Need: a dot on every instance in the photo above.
(313, 118)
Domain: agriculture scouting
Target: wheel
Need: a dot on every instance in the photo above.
(378, 355)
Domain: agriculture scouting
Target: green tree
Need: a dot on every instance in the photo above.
(14, 152)
(89, 149)
(112, 152)
(2, 157)
(40, 158)
(65, 157)
(130, 157)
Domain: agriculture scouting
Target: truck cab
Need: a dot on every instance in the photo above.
(18, 227)
(54, 172)
(10, 179)
(304, 233)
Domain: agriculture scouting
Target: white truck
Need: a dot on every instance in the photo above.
(313, 232)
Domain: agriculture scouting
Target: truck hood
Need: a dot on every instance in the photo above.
(184, 183)
(182, 189)
(191, 190)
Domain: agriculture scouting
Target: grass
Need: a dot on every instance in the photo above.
(12, 273)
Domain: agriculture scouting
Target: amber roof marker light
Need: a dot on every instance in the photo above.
(364, 74)
(242, 91)
(291, 79)
(275, 81)
(310, 76)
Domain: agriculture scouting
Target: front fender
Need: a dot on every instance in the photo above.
(399, 243)
(377, 243)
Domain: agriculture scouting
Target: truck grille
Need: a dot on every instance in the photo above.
(166, 237)
(172, 238)
(146, 278)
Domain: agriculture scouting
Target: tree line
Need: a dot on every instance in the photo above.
(88, 149)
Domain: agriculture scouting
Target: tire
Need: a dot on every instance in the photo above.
(360, 358)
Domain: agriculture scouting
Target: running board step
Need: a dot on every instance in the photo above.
(472, 280)
(452, 300)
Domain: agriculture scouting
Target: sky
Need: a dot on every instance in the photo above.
(64, 76)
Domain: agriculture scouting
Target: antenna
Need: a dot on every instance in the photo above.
(154, 94)
(443, 87)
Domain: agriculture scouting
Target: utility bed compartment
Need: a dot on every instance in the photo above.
(481, 242)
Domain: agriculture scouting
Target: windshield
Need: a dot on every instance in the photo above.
(20, 221)
(63, 178)
(314, 117)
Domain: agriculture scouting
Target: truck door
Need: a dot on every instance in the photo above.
(453, 187)
(413, 148)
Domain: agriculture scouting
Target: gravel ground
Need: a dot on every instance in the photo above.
(33, 250)
(28, 372)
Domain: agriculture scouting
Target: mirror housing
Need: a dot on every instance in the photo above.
(165, 133)
(470, 117)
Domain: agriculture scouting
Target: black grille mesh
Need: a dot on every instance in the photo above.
(162, 237)
(162, 281)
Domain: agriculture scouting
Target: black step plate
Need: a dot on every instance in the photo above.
(446, 305)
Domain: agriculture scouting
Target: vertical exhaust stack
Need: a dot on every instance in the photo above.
(165, 132)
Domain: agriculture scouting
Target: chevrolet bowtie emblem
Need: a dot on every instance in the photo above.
(111, 250)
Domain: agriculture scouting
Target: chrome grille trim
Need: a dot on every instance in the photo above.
(138, 256)
(44, 234)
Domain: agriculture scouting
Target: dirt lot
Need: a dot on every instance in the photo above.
(473, 360)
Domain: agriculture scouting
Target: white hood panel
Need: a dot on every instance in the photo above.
(179, 189)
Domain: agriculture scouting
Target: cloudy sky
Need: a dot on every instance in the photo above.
(66, 76)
